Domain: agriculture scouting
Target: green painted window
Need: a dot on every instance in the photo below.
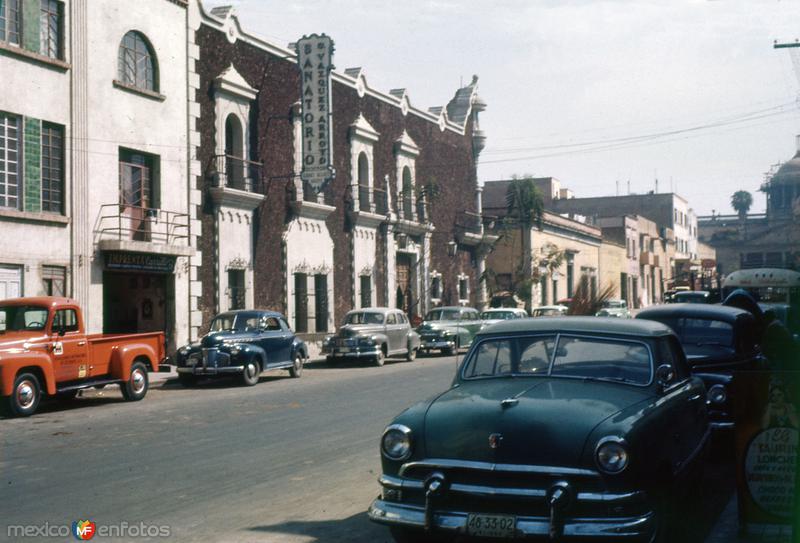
(52, 168)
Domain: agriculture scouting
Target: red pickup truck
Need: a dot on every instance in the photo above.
(44, 350)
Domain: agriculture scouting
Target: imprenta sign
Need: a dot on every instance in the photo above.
(314, 57)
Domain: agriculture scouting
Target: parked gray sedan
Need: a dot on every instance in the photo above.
(374, 333)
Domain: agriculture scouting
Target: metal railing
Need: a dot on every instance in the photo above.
(237, 173)
(125, 222)
(370, 199)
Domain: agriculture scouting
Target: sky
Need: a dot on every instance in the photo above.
(600, 94)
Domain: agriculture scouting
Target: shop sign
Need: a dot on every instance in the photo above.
(315, 60)
(145, 262)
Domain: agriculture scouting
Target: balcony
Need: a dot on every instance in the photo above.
(142, 230)
(646, 258)
(370, 205)
(236, 182)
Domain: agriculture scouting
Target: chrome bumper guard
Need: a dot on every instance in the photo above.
(437, 344)
(630, 528)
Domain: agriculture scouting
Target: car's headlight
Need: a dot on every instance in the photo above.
(183, 351)
(396, 442)
(717, 394)
(611, 454)
(235, 349)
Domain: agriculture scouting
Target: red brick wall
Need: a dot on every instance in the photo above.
(445, 159)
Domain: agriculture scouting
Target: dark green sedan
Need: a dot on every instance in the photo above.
(569, 427)
(447, 329)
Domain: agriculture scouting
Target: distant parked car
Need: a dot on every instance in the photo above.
(449, 328)
(500, 314)
(692, 297)
(717, 340)
(615, 308)
(556, 428)
(243, 343)
(373, 333)
(549, 311)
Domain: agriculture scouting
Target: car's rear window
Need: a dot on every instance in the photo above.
(701, 332)
(609, 359)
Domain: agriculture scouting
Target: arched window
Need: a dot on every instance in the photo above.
(234, 153)
(363, 182)
(137, 62)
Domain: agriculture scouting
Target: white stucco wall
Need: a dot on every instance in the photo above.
(120, 118)
(309, 249)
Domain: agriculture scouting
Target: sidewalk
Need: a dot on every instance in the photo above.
(726, 530)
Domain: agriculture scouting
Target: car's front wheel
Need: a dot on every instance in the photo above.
(411, 354)
(380, 358)
(251, 372)
(25, 396)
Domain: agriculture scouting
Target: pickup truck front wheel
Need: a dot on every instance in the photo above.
(25, 398)
(135, 388)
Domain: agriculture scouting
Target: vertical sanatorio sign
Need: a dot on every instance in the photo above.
(314, 57)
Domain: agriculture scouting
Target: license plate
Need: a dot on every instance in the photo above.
(344, 349)
(491, 525)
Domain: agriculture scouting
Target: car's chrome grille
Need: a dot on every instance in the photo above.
(506, 490)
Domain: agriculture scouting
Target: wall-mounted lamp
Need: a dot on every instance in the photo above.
(452, 248)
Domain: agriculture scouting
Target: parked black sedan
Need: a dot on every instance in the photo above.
(243, 343)
(569, 427)
(717, 340)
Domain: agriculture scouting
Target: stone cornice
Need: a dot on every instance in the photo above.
(240, 199)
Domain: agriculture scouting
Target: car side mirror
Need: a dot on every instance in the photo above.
(665, 374)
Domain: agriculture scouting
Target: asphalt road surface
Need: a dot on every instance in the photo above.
(289, 460)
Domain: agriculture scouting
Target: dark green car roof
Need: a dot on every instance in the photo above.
(593, 325)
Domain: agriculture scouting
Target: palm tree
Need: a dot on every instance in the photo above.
(524, 209)
(741, 200)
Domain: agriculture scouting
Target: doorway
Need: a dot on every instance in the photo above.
(139, 302)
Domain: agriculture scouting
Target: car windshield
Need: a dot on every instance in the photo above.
(612, 359)
(615, 304)
(443, 315)
(15, 318)
(223, 323)
(501, 315)
(691, 297)
(694, 332)
(364, 317)
(547, 312)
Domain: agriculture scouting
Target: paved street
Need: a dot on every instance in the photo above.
(286, 461)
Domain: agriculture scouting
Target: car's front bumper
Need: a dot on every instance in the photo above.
(370, 352)
(437, 343)
(637, 528)
(209, 370)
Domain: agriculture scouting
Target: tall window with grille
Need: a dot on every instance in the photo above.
(463, 288)
(9, 161)
(236, 289)
(300, 302)
(52, 168)
(54, 279)
(570, 275)
(408, 194)
(366, 290)
(321, 302)
(137, 63)
(10, 21)
(436, 287)
(50, 29)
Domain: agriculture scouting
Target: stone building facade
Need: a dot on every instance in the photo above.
(756, 240)
(399, 225)
(93, 161)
